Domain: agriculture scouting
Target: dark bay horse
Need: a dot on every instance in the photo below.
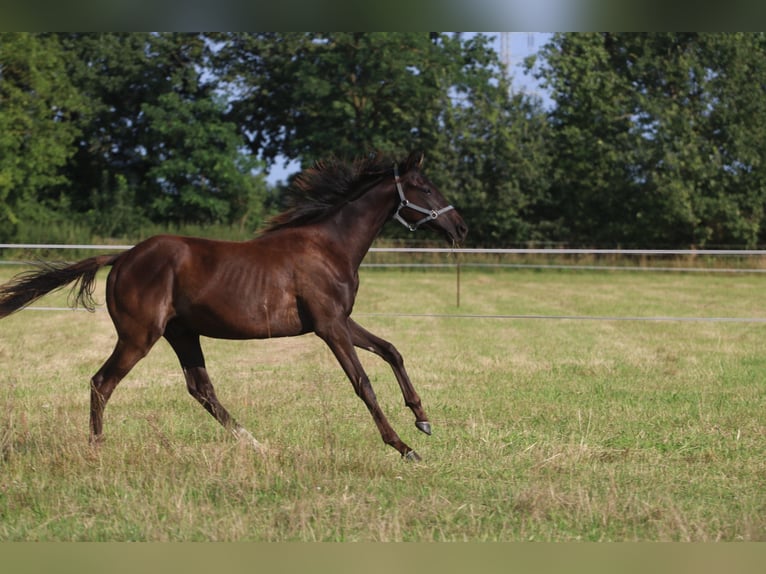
(299, 275)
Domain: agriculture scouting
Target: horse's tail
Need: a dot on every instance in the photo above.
(29, 286)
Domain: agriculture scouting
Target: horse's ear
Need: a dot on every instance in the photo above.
(415, 161)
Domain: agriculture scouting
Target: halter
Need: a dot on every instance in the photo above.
(430, 214)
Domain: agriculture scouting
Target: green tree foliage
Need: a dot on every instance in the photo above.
(658, 139)
(651, 139)
(492, 152)
(198, 171)
(156, 136)
(38, 107)
(308, 96)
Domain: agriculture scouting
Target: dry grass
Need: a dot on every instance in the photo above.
(543, 430)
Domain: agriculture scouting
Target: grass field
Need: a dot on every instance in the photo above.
(544, 429)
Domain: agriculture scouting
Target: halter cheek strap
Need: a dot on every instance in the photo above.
(430, 214)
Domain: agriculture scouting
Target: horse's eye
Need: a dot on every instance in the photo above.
(427, 191)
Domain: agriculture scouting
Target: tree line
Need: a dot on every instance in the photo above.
(645, 140)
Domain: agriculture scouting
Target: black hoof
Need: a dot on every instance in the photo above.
(424, 426)
(411, 456)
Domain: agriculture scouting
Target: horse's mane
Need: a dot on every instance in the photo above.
(320, 191)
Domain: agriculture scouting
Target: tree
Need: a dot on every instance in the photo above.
(492, 146)
(310, 96)
(38, 103)
(156, 136)
(658, 138)
(196, 165)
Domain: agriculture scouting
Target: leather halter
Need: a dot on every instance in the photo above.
(430, 214)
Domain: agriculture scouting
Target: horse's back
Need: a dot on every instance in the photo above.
(148, 262)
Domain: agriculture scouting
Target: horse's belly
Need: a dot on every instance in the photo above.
(245, 323)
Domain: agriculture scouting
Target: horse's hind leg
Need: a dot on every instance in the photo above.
(187, 347)
(103, 383)
(366, 340)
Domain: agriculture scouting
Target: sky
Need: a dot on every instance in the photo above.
(521, 45)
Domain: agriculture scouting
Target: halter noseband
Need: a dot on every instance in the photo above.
(430, 214)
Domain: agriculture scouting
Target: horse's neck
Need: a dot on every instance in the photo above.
(360, 221)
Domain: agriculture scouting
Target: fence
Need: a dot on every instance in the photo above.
(456, 250)
(684, 261)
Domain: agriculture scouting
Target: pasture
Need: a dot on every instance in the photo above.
(543, 429)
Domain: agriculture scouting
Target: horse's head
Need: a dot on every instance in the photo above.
(421, 204)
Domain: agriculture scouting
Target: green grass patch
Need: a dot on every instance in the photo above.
(544, 429)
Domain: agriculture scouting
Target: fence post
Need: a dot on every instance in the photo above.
(457, 288)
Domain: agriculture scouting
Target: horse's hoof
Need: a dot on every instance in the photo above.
(96, 440)
(411, 456)
(424, 426)
(245, 437)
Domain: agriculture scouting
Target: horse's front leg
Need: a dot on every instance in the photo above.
(363, 339)
(339, 338)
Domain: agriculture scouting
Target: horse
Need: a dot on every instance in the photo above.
(298, 275)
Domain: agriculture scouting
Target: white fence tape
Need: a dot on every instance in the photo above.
(519, 251)
(459, 250)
